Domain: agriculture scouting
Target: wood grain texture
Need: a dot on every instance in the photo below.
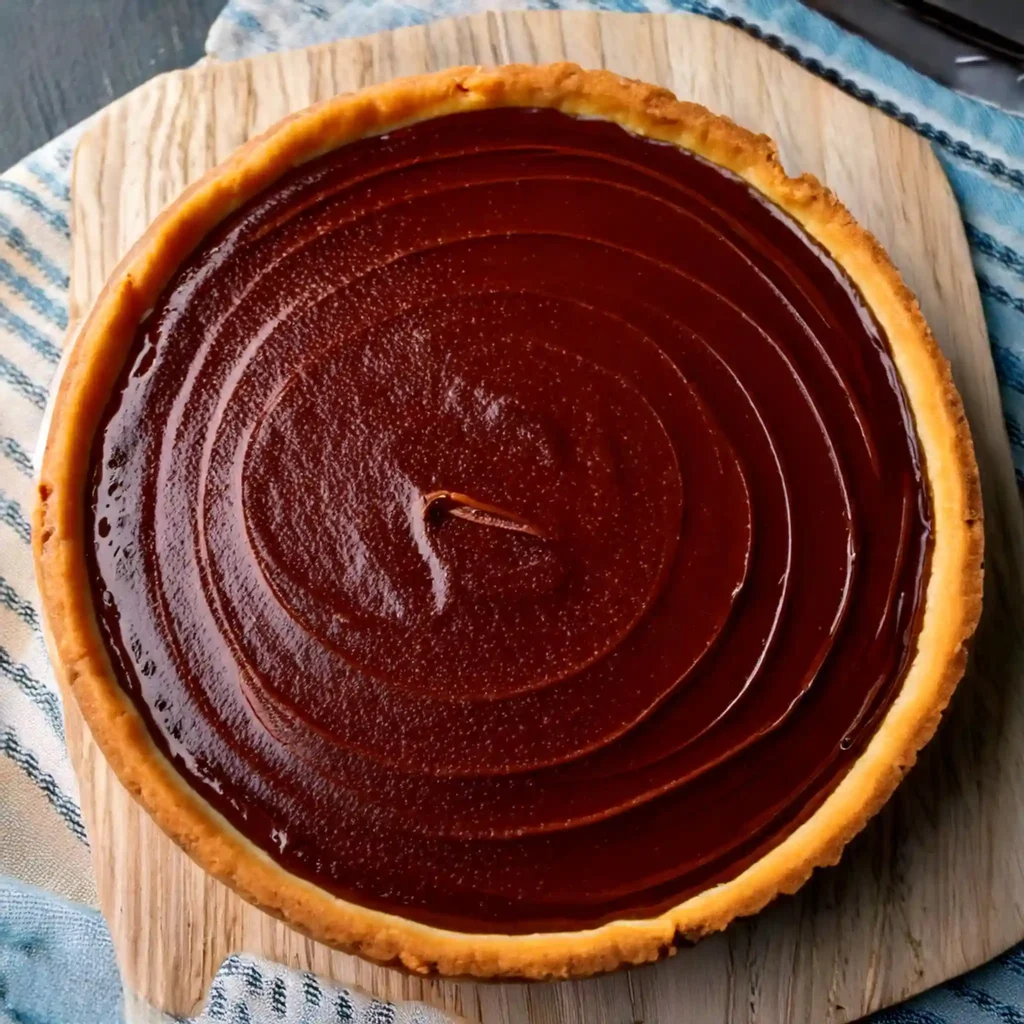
(936, 884)
(61, 60)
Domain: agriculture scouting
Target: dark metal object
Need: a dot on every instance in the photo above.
(976, 46)
(1000, 20)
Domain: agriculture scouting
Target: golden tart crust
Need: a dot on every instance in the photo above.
(951, 603)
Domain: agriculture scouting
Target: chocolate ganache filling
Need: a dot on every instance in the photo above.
(510, 522)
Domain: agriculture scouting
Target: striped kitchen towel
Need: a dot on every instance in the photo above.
(56, 964)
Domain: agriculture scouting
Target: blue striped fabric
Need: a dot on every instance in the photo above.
(47, 979)
(56, 965)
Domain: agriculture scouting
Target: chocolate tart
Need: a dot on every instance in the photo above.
(503, 525)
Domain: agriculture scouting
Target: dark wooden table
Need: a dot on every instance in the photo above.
(60, 60)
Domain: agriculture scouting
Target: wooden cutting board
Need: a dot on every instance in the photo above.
(936, 883)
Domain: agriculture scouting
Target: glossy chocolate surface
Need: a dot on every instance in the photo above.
(511, 523)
